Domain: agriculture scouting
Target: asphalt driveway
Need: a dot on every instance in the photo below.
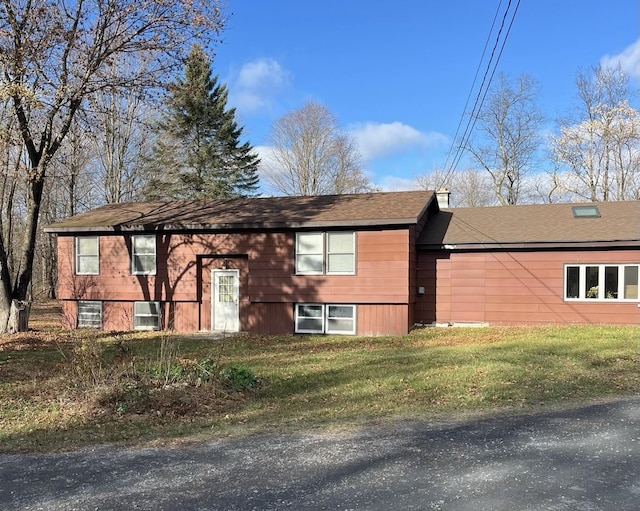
(584, 458)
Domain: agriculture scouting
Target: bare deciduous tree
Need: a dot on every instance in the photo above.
(120, 121)
(311, 155)
(509, 135)
(56, 55)
(469, 188)
(598, 147)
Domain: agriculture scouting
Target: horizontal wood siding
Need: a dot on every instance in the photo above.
(267, 276)
(514, 288)
(425, 306)
(382, 269)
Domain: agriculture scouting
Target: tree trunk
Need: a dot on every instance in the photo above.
(18, 320)
(14, 308)
(27, 253)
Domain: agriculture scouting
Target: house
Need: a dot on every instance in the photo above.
(326, 264)
(531, 264)
(364, 264)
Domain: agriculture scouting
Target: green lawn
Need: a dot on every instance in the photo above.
(60, 390)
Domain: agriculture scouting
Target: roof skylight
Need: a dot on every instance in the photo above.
(590, 211)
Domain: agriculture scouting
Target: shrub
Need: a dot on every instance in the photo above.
(238, 377)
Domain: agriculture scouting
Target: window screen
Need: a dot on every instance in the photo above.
(309, 250)
(146, 315)
(143, 250)
(341, 319)
(309, 318)
(87, 257)
(340, 252)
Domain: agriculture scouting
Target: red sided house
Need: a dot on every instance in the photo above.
(531, 264)
(364, 264)
(325, 264)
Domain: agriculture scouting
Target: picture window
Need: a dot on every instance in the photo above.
(601, 282)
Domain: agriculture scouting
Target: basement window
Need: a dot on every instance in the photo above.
(590, 211)
(89, 314)
(318, 318)
(146, 315)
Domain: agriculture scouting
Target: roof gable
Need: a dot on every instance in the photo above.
(371, 209)
(532, 225)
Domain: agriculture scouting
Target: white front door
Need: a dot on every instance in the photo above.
(224, 309)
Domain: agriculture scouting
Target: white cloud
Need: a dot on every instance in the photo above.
(628, 59)
(262, 73)
(396, 184)
(375, 140)
(265, 153)
(256, 85)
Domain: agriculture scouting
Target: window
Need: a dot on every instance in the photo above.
(340, 252)
(590, 211)
(143, 255)
(146, 315)
(309, 253)
(226, 288)
(607, 282)
(87, 257)
(325, 318)
(89, 314)
(341, 319)
(630, 283)
(309, 318)
(331, 253)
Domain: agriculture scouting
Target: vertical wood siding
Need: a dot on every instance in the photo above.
(514, 288)
(382, 319)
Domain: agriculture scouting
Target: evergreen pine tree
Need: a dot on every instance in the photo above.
(198, 153)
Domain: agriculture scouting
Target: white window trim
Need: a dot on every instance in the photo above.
(601, 283)
(136, 315)
(325, 319)
(133, 254)
(78, 256)
(340, 332)
(297, 316)
(94, 302)
(322, 255)
(325, 254)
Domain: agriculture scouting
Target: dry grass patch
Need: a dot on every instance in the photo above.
(64, 389)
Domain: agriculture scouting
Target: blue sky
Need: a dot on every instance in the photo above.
(397, 74)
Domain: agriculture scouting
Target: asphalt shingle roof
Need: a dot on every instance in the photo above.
(532, 224)
(391, 208)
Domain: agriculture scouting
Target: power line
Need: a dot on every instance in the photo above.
(482, 91)
(484, 50)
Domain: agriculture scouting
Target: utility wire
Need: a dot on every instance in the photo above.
(483, 91)
(475, 78)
